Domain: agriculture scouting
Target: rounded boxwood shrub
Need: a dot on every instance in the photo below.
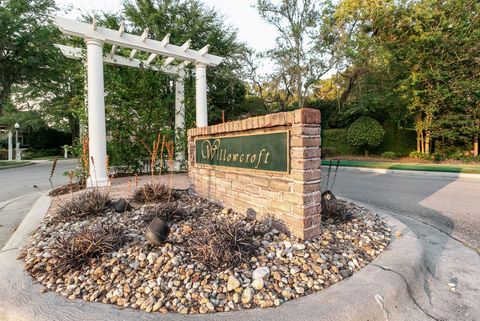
(388, 155)
(365, 132)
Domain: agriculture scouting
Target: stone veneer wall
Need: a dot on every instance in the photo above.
(290, 200)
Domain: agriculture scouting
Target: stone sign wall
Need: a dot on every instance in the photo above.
(265, 167)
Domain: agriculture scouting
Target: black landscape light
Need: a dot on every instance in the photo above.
(157, 231)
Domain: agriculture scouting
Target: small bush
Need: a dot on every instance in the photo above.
(88, 203)
(389, 155)
(152, 192)
(76, 250)
(437, 157)
(328, 152)
(419, 155)
(221, 244)
(365, 132)
(168, 212)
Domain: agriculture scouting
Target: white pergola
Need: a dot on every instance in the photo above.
(95, 37)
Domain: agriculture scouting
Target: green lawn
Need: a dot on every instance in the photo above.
(10, 163)
(457, 168)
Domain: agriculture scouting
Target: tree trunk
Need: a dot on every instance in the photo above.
(419, 148)
(422, 144)
(299, 90)
(4, 95)
(427, 142)
(475, 146)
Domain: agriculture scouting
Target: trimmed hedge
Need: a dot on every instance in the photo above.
(399, 141)
(334, 142)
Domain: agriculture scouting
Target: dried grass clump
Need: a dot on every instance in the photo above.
(88, 203)
(151, 192)
(221, 244)
(170, 212)
(73, 252)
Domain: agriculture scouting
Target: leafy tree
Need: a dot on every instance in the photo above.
(26, 49)
(365, 132)
(191, 20)
(304, 50)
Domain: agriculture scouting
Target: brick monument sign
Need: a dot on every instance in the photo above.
(265, 167)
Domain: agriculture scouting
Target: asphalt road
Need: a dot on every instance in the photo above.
(15, 182)
(449, 204)
(21, 187)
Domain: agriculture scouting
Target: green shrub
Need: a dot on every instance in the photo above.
(365, 133)
(419, 155)
(334, 142)
(398, 140)
(389, 155)
(437, 157)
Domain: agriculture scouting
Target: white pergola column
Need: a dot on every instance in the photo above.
(179, 118)
(201, 94)
(96, 115)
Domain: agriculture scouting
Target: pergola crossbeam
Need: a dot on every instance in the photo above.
(109, 36)
(204, 50)
(77, 53)
(121, 30)
(144, 37)
(150, 59)
(184, 47)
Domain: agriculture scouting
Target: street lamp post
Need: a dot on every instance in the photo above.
(10, 146)
(18, 156)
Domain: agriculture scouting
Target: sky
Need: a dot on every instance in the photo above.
(239, 14)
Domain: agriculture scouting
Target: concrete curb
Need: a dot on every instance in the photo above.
(387, 282)
(446, 175)
(14, 166)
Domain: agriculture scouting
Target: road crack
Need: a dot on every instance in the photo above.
(409, 290)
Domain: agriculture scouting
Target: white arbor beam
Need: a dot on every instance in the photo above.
(84, 30)
(184, 47)
(77, 53)
(144, 37)
(150, 59)
(165, 41)
(121, 30)
(97, 144)
(204, 50)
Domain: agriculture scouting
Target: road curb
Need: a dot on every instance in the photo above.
(15, 166)
(400, 172)
(385, 289)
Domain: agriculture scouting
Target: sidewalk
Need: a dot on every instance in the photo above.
(423, 275)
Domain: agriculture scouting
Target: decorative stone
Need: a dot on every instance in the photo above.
(261, 272)
(257, 284)
(232, 283)
(247, 295)
(152, 257)
(294, 270)
(299, 247)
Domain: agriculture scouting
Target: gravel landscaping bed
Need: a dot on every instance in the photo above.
(267, 267)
